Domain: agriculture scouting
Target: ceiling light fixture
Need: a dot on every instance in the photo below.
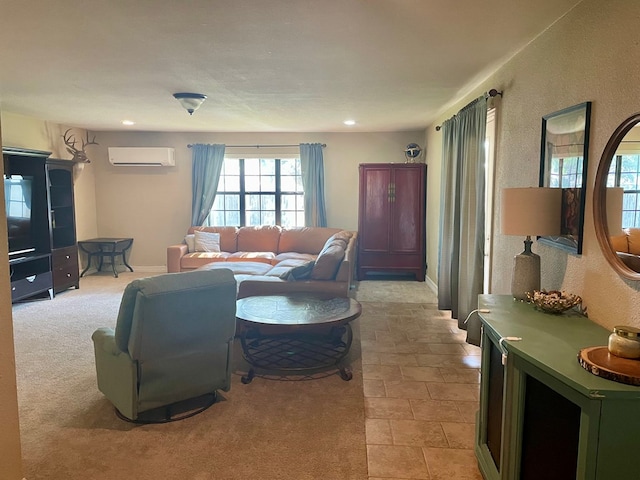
(349, 122)
(190, 101)
(128, 122)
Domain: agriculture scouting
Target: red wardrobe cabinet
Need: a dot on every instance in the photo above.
(391, 220)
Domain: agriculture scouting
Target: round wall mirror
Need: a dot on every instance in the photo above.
(616, 208)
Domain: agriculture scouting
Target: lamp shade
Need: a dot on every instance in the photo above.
(531, 211)
(614, 199)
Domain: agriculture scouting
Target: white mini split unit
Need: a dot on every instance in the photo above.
(142, 156)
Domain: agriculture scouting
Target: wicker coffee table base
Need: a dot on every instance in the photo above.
(303, 352)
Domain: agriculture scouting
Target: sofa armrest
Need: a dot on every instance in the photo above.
(174, 255)
(630, 260)
(345, 272)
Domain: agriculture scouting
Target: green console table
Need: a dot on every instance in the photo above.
(542, 416)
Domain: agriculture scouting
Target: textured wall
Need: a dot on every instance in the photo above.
(592, 54)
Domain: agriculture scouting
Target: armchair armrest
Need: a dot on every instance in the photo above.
(104, 339)
(116, 371)
(174, 254)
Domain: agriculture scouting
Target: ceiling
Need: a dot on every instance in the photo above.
(266, 66)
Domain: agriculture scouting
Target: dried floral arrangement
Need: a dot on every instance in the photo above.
(554, 301)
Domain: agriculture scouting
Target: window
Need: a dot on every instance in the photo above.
(625, 173)
(565, 172)
(259, 191)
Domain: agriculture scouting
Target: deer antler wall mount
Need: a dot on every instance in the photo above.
(79, 155)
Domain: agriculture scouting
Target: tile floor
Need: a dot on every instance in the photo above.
(421, 388)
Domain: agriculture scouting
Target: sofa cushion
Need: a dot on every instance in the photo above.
(305, 239)
(240, 268)
(207, 241)
(304, 257)
(264, 238)
(228, 241)
(190, 240)
(197, 259)
(263, 257)
(620, 243)
(328, 261)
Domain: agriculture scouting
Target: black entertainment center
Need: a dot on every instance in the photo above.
(43, 256)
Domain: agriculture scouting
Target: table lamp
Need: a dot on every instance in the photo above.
(529, 211)
(614, 199)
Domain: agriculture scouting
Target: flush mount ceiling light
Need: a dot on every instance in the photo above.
(190, 101)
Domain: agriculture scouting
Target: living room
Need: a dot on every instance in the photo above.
(590, 54)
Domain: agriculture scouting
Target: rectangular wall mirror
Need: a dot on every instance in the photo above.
(563, 164)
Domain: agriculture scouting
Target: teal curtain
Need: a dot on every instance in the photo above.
(205, 174)
(312, 165)
(461, 245)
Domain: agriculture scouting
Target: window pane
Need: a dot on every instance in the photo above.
(252, 183)
(231, 166)
(252, 202)
(267, 166)
(231, 183)
(232, 219)
(268, 202)
(232, 202)
(268, 183)
(216, 218)
(288, 202)
(268, 218)
(218, 203)
(288, 166)
(251, 166)
(300, 219)
(628, 181)
(288, 183)
(253, 218)
(289, 219)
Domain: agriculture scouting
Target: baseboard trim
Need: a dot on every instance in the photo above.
(431, 285)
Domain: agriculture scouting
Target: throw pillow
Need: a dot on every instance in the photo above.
(190, 240)
(207, 241)
(328, 261)
(301, 272)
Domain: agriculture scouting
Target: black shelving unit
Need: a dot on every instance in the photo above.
(30, 269)
(64, 249)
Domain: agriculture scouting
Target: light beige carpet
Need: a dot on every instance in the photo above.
(265, 430)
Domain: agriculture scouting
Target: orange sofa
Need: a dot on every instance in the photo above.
(627, 247)
(271, 260)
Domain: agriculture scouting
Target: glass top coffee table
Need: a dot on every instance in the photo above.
(296, 332)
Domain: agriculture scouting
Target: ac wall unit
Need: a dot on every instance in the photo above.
(142, 156)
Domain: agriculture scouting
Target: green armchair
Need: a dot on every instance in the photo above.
(172, 343)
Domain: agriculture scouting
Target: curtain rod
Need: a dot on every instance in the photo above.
(491, 93)
(262, 146)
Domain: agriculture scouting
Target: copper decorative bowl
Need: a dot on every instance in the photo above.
(553, 301)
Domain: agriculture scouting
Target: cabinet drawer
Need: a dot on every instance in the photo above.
(65, 268)
(63, 256)
(30, 285)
